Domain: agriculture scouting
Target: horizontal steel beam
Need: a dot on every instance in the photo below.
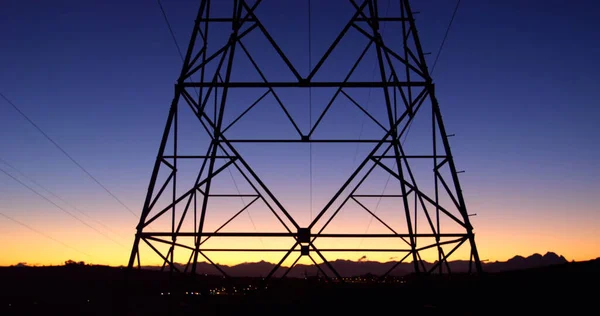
(363, 84)
(271, 234)
(308, 141)
(390, 19)
(197, 157)
(299, 250)
(376, 195)
(234, 195)
(411, 156)
(222, 20)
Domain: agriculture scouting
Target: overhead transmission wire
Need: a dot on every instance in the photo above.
(164, 14)
(57, 196)
(170, 28)
(45, 235)
(410, 124)
(66, 153)
(445, 37)
(310, 151)
(59, 207)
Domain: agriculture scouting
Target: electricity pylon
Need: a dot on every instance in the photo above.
(234, 66)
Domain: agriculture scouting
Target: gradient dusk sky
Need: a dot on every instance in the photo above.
(517, 83)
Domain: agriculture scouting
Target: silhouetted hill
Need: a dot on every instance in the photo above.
(519, 262)
(101, 290)
(347, 268)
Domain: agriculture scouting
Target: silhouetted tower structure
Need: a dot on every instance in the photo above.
(223, 81)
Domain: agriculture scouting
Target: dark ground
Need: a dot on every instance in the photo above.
(568, 289)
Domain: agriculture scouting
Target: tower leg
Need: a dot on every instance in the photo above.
(394, 135)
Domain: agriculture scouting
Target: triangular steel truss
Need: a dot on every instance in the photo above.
(207, 86)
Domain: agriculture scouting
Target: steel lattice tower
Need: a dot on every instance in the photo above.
(209, 86)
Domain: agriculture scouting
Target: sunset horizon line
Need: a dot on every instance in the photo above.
(459, 259)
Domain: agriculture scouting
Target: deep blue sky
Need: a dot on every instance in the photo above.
(517, 84)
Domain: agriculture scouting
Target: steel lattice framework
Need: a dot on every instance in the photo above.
(207, 86)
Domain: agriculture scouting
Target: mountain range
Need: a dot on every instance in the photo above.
(348, 268)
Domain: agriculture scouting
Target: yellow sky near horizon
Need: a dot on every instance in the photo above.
(497, 240)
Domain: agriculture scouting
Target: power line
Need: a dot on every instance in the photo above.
(170, 29)
(310, 149)
(57, 196)
(66, 154)
(59, 207)
(164, 14)
(445, 37)
(44, 234)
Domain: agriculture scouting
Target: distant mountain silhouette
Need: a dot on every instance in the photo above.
(519, 262)
(347, 268)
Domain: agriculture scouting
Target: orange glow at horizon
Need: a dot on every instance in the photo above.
(497, 240)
